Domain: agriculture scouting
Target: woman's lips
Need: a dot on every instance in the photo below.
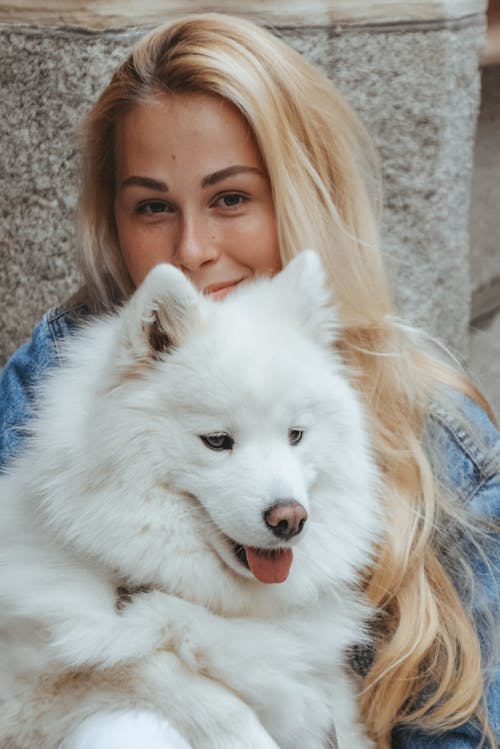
(220, 290)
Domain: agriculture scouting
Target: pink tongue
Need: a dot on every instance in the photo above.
(269, 566)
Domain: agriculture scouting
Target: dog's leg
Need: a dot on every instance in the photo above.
(281, 674)
(175, 703)
(204, 711)
(104, 630)
(273, 670)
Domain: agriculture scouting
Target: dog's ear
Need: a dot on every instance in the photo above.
(158, 316)
(303, 282)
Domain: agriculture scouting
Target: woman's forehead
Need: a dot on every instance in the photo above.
(191, 127)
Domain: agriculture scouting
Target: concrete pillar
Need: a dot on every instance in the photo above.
(485, 238)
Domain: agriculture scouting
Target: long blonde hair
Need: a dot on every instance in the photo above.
(324, 175)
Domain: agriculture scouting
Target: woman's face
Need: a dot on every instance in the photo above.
(191, 190)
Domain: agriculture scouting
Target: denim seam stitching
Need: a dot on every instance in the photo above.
(486, 460)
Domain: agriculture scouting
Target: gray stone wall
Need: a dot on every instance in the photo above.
(485, 241)
(416, 86)
(417, 89)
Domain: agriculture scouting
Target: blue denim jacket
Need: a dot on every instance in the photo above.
(468, 443)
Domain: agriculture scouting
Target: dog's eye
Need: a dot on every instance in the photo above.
(217, 441)
(295, 435)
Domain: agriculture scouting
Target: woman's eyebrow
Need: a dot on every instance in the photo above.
(229, 171)
(152, 184)
(208, 181)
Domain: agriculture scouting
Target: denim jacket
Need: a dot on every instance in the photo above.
(466, 440)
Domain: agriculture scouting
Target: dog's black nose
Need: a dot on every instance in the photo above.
(286, 518)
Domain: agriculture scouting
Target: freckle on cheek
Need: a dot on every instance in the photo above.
(174, 157)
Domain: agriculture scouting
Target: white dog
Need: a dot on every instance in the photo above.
(182, 540)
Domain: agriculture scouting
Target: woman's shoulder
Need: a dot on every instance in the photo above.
(61, 321)
(27, 365)
(43, 349)
(464, 444)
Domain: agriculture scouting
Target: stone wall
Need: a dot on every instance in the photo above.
(410, 69)
(485, 241)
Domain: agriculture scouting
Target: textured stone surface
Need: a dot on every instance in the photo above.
(485, 241)
(485, 199)
(99, 14)
(485, 360)
(416, 89)
(417, 92)
(47, 81)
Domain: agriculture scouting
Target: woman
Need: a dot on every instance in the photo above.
(219, 149)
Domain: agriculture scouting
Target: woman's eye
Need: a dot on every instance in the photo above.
(217, 441)
(295, 435)
(152, 206)
(231, 200)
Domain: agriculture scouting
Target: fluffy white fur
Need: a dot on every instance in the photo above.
(116, 488)
(124, 729)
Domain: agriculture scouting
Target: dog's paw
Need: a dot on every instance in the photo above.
(178, 625)
(192, 650)
(124, 729)
(141, 622)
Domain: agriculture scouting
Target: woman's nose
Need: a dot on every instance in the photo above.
(195, 245)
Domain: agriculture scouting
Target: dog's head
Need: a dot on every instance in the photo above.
(225, 445)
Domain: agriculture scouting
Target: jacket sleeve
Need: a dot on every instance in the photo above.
(18, 382)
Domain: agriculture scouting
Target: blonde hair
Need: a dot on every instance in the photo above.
(323, 171)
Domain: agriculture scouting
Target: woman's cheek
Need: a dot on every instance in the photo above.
(141, 251)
